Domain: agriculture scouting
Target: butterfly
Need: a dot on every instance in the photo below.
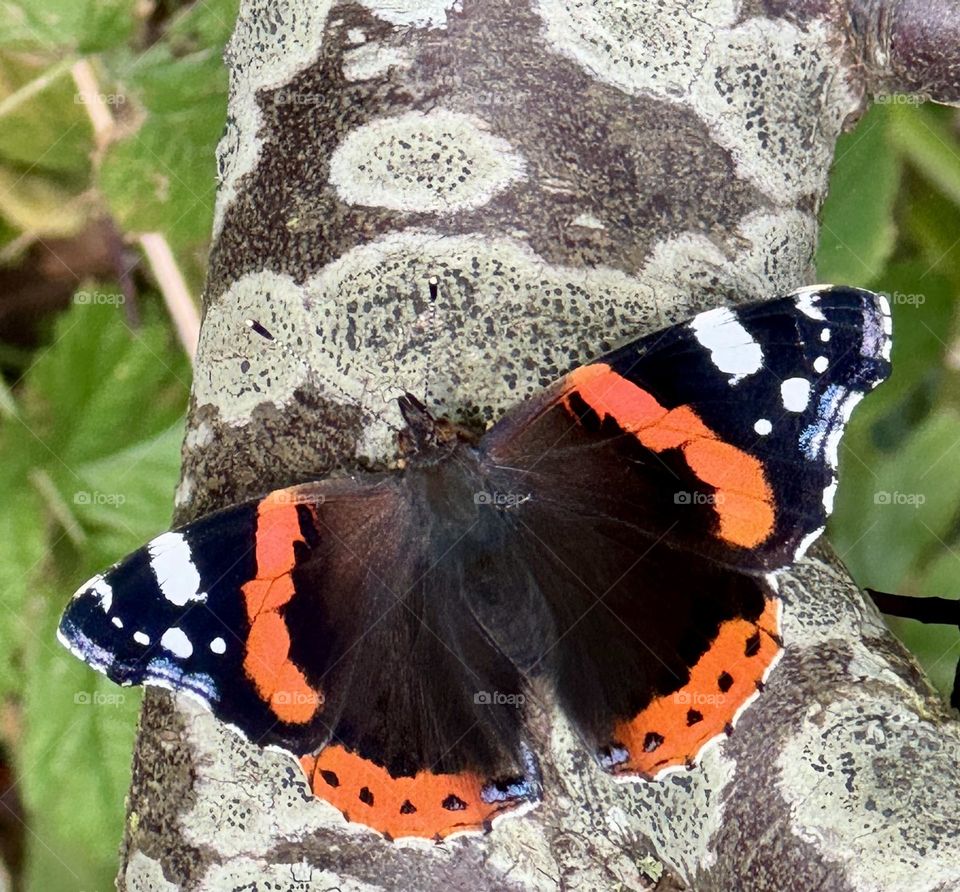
(614, 537)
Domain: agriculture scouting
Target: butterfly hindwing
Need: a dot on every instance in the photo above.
(304, 620)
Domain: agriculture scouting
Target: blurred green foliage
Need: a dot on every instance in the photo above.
(892, 223)
(91, 417)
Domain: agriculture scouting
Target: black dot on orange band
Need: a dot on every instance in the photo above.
(752, 647)
(652, 741)
(408, 808)
(694, 716)
(366, 797)
(725, 681)
(454, 803)
(330, 777)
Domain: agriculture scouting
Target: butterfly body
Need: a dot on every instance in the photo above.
(610, 541)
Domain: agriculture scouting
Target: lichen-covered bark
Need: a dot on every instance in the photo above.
(574, 173)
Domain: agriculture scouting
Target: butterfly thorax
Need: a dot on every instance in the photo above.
(427, 440)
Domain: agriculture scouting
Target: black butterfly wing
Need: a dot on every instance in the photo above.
(727, 425)
(305, 621)
(652, 503)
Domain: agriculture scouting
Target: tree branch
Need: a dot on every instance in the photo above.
(574, 174)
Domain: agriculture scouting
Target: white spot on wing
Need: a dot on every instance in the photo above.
(101, 588)
(795, 393)
(820, 364)
(763, 426)
(806, 303)
(218, 646)
(117, 622)
(172, 564)
(828, 496)
(732, 348)
(141, 638)
(825, 335)
(806, 542)
(176, 641)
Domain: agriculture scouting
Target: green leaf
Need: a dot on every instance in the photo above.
(858, 230)
(935, 647)
(923, 309)
(889, 518)
(126, 497)
(86, 398)
(202, 25)
(74, 761)
(44, 129)
(97, 435)
(153, 182)
(83, 26)
(933, 223)
(927, 143)
(23, 547)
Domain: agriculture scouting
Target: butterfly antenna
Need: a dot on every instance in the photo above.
(434, 284)
(314, 376)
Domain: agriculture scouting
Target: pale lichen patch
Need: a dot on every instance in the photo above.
(637, 46)
(374, 60)
(234, 811)
(144, 874)
(855, 781)
(199, 436)
(184, 491)
(773, 257)
(368, 328)
(252, 874)
(739, 78)
(418, 13)
(439, 161)
(679, 814)
(367, 325)
(748, 97)
(587, 221)
(275, 41)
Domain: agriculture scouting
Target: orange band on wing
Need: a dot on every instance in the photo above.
(672, 730)
(267, 660)
(427, 805)
(744, 501)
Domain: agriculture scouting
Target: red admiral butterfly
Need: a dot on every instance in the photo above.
(615, 534)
